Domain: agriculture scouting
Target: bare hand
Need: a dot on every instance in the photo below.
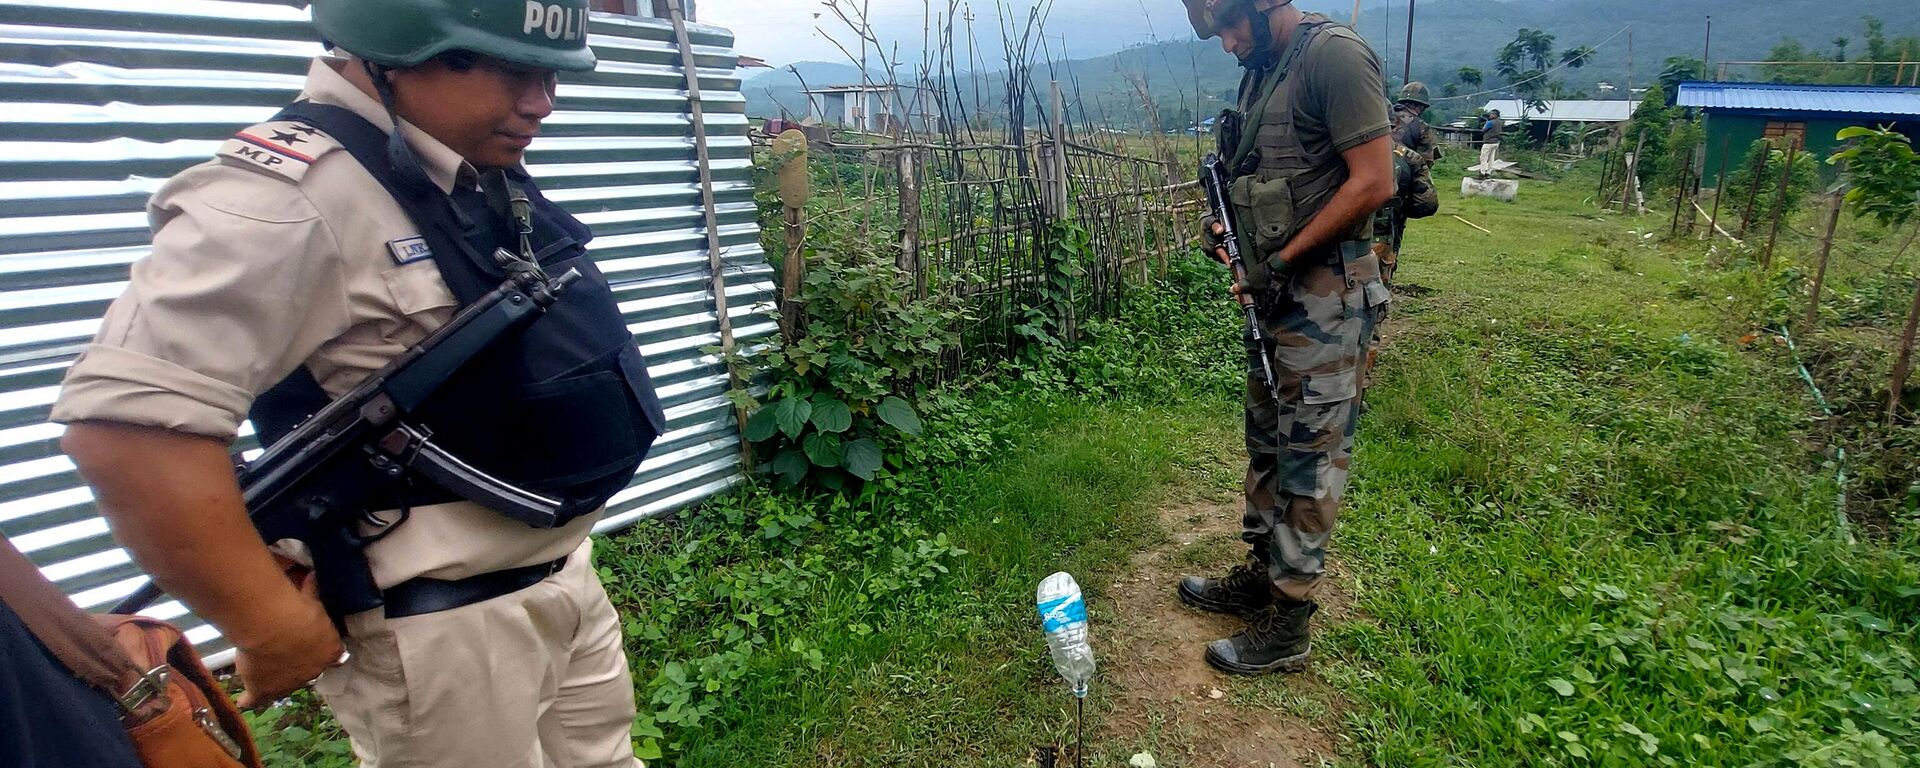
(304, 645)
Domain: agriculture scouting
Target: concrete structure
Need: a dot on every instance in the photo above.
(1738, 114)
(875, 108)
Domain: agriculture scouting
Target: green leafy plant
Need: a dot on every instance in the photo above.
(1884, 173)
(1769, 158)
(839, 398)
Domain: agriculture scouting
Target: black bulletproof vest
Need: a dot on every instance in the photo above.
(565, 409)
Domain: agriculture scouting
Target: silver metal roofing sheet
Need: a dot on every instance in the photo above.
(1569, 110)
(104, 99)
(1779, 97)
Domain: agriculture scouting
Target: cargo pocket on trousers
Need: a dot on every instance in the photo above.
(1319, 429)
(372, 687)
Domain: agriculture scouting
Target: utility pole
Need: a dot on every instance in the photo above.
(1630, 62)
(1386, 36)
(1406, 74)
(1706, 57)
(1356, 15)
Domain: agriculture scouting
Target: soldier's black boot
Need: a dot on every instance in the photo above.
(1275, 641)
(1244, 591)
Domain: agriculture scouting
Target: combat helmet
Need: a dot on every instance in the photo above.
(1208, 16)
(548, 34)
(1415, 92)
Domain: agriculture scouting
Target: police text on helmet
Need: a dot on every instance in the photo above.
(558, 22)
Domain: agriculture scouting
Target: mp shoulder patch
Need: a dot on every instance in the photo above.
(282, 148)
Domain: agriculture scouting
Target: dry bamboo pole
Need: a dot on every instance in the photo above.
(1826, 249)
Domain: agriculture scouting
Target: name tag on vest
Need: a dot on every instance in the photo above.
(409, 250)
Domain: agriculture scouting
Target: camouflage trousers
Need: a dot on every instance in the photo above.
(1300, 442)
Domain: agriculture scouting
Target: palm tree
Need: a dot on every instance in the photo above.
(1575, 58)
(1469, 77)
(1538, 46)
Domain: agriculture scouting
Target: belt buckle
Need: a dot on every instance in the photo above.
(150, 686)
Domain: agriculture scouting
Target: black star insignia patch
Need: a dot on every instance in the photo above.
(287, 138)
(306, 129)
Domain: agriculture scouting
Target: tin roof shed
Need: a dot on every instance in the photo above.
(1886, 102)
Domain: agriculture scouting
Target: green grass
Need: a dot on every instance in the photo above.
(1587, 531)
(1588, 525)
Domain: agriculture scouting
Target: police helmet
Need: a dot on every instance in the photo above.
(547, 34)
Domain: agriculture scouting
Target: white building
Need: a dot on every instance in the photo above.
(874, 108)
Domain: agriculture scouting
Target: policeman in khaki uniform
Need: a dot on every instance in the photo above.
(1309, 149)
(297, 262)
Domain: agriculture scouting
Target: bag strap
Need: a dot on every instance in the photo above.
(74, 637)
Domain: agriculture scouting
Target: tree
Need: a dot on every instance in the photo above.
(1526, 63)
(1679, 69)
(1840, 48)
(1469, 77)
(1884, 174)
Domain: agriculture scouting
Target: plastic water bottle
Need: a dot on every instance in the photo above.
(1063, 614)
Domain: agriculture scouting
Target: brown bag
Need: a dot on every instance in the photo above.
(176, 713)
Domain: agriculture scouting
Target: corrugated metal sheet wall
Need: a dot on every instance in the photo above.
(102, 100)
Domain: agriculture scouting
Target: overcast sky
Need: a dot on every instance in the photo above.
(786, 31)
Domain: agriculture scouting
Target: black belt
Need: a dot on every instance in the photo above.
(424, 595)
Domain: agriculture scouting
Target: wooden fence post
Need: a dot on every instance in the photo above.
(1780, 202)
(1903, 365)
(909, 257)
(794, 191)
(1826, 248)
(1758, 172)
(1630, 189)
(1719, 191)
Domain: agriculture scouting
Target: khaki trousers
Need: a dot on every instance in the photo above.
(532, 679)
(1489, 154)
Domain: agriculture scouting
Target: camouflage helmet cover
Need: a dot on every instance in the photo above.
(548, 34)
(1415, 92)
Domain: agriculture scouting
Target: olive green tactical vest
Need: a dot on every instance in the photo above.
(1290, 182)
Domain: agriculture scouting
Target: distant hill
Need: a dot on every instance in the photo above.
(1194, 79)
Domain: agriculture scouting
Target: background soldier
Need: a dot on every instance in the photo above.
(283, 272)
(1410, 126)
(1490, 130)
(1309, 150)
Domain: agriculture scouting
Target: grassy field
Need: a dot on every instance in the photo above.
(1591, 523)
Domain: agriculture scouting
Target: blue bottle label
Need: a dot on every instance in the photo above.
(1061, 612)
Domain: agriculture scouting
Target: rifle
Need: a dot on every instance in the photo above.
(307, 485)
(1213, 178)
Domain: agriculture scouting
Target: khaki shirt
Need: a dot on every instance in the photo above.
(281, 252)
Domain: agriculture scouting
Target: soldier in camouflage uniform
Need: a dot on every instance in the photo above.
(1310, 155)
(1410, 125)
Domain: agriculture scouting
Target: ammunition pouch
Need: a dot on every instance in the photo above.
(1265, 211)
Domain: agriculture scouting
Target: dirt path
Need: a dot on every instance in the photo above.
(1167, 701)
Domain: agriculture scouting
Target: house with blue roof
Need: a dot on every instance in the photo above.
(1737, 114)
